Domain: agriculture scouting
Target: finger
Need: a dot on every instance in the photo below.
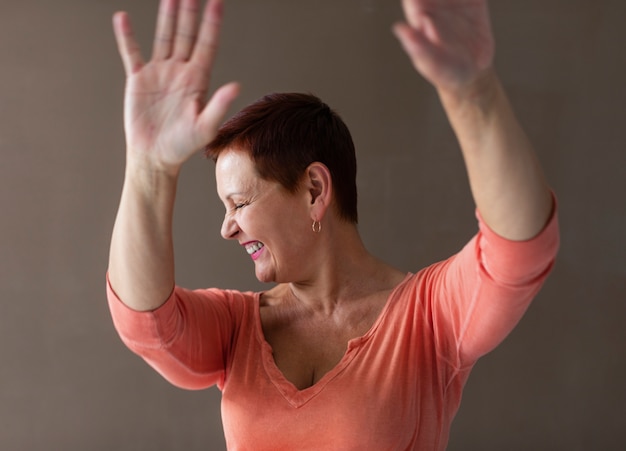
(208, 37)
(126, 43)
(214, 112)
(415, 44)
(164, 34)
(186, 29)
(427, 58)
(411, 12)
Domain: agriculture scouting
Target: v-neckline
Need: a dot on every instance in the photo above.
(296, 397)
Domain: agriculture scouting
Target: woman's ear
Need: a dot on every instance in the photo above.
(319, 186)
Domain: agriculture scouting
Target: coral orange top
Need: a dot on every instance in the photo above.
(397, 387)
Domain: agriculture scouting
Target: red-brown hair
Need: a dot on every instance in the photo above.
(284, 133)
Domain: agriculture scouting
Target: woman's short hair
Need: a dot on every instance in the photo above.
(284, 133)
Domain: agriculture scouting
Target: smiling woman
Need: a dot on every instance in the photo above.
(283, 159)
(264, 217)
(345, 351)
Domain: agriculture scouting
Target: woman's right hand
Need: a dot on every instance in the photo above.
(167, 117)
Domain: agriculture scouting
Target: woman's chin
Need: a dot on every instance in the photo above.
(264, 277)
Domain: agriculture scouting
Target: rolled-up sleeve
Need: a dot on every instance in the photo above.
(187, 339)
(481, 293)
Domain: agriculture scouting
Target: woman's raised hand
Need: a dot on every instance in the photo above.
(450, 42)
(166, 113)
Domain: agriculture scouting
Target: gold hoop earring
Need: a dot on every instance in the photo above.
(317, 226)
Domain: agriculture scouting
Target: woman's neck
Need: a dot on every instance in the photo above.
(345, 272)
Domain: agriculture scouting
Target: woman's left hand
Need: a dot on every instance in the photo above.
(450, 42)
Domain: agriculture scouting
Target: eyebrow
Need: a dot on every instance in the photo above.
(230, 195)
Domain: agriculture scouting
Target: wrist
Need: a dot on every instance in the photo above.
(139, 165)
(151, 178)
(478, 95)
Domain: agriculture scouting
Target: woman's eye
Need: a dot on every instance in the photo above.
(241, 205)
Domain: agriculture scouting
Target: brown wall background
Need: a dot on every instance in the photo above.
(67, 382)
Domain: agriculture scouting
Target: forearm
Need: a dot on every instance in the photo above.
(505, 177)
(141, 261)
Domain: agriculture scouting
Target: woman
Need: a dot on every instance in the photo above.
(345, 352)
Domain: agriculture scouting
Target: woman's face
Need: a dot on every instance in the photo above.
(272, 224)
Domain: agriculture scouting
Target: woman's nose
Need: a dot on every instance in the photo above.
(230, 229)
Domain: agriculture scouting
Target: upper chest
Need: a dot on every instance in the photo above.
(306, 346)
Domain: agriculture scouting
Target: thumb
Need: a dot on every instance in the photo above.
(213, 113)
(413, 41)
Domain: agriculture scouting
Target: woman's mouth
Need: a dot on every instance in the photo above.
(254, 249)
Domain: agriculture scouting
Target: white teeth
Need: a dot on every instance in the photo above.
(252, 248)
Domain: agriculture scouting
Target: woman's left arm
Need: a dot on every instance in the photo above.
(450, 43)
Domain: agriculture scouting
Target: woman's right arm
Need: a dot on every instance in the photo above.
(166, 120)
